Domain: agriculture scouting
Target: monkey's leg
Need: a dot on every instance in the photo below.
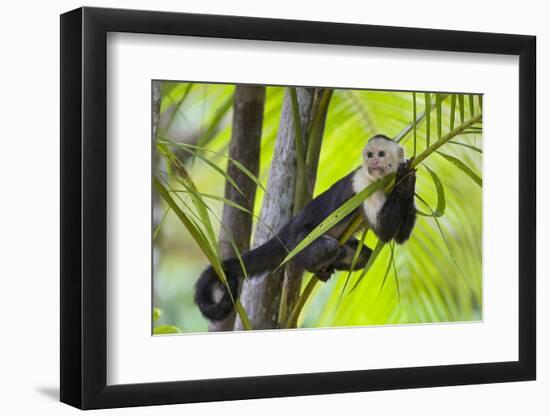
(345, 258)
(319, 256)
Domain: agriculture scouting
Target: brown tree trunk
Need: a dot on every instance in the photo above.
(261, 295)
(292, 282)
(155, 205)
(246, 133)
(156, 98)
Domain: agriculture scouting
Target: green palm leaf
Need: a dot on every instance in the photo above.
(463, 167)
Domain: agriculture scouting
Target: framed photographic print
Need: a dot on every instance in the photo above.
(258, 207)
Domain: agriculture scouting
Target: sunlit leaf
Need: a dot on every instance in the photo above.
(215, 167)
(444, 238)
(202, 208)
(441, 201)
(353, 263)
(463, 167)
(467, 145)
(193, 148)
(213, 125)
(461, 107)
(377, 249)
(166, 329)
(205, 220)
(177, 107)
(414, 119)
(157, 229)
(438, 113)
(157, 312)
(396, 278)
(238, 207)
(452, 111)
(386, 274)
(428, 105)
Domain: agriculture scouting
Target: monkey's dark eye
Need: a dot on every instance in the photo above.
(369, 155)
(381, 153)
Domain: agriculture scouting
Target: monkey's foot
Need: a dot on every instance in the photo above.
(324, 275)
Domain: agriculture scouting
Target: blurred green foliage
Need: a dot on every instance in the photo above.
(162, 328)
(435, 277)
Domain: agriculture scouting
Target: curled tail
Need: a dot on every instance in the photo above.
(211, 295)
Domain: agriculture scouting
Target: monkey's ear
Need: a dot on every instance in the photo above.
(401, 154)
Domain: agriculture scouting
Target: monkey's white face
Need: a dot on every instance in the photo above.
(381, 157)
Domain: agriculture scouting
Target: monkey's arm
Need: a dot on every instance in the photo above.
(397, 217)
(405, 230)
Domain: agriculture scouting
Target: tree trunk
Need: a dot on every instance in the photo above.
(246, 133)
(156, 207)
(156, 92)
(261, 295)
(292, 283)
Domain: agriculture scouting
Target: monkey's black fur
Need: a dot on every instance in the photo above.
(398, 215)
(324, 255)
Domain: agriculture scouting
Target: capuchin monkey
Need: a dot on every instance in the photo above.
(390, 216)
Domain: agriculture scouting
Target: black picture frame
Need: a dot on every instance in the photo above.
(84, 207)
